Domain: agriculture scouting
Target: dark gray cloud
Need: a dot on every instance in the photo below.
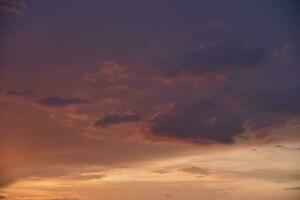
(60, 102)
(25, 93)
(219, 57)
(222, 117)
(198, 122)
(117, 118)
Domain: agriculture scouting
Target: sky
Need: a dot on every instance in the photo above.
(152, 100)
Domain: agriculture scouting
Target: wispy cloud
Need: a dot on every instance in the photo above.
(13, 7)
(25, 93)
(117, 118)
(60, 102)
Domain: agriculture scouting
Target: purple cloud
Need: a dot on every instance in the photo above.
(60, 102)
(117, 118)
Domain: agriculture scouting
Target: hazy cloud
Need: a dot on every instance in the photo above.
(24, 93)
(282, 147)
(277, 175)
(293, 188)
(111, 71)
(12, 7)
(195, 170)
(60, 102)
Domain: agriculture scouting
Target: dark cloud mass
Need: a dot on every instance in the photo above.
(60, 102)
(222, 118)
(199, 122)
(117, 118)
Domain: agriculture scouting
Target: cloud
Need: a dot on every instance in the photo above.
(83, 177)
(199, 122)
(195, 170)
(25, 93)
(12, 7)
(71, 111)
(111, 71)
(293, 188)
(282, 147)
(221, 117)
(217, 58)
(59, 101)
(233, 54)
(271, 174)
(2, 197)
(66, 199)
(161, 171)
(286, 102)
(117, 118)
(6, 181)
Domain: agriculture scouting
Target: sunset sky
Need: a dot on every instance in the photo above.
(149, 100)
